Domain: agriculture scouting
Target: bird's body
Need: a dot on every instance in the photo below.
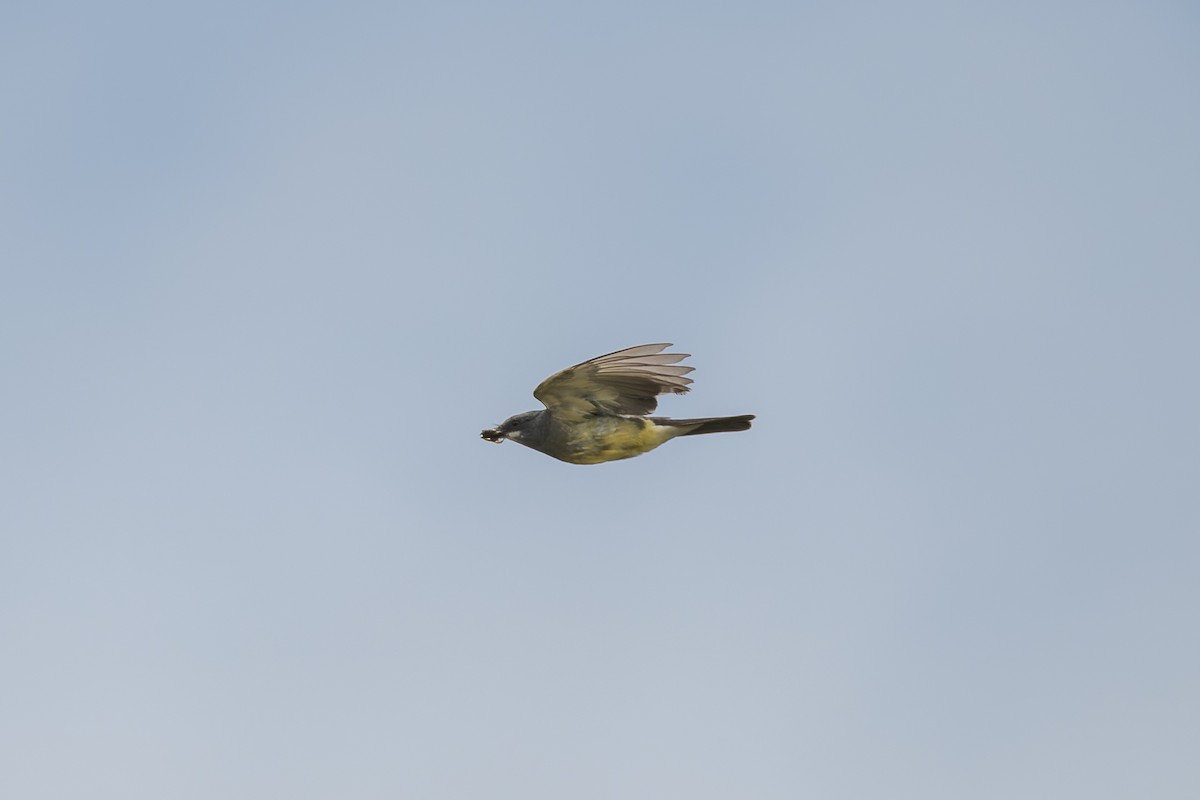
(595, 411)
(596, 439)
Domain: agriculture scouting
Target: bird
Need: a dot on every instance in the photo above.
(596, 411)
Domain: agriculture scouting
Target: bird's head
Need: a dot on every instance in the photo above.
(512, 428)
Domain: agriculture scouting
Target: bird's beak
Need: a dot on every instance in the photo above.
(492, 435)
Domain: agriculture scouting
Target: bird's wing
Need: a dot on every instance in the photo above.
(624, 382)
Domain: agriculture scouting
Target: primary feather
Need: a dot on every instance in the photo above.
(625, 382)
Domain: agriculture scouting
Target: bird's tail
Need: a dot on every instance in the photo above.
(708, 424)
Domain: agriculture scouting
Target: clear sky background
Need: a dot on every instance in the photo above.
(269, 268)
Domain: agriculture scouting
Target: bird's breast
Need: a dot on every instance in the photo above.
(601, 439)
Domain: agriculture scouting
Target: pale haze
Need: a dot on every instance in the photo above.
(268, 269)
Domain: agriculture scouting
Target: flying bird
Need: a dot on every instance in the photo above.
(596, 411)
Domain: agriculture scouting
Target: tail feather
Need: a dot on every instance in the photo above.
(707, 424)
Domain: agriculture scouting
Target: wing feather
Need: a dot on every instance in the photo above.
(625, 382)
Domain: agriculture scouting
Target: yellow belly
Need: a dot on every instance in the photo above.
(614, 438)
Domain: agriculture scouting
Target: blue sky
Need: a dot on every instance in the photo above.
(269, 268)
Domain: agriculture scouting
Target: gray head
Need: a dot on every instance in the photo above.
(515, 428)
